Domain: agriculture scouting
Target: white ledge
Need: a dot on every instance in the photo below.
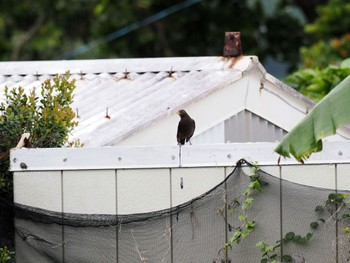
(54, 159)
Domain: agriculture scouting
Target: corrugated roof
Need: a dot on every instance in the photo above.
(136, 92)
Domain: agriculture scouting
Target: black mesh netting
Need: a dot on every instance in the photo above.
(195, 231)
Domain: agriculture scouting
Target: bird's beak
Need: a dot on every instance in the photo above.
(178, 113)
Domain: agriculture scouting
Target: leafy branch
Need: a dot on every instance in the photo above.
(239, 207)
(269, 253)
(337, 207)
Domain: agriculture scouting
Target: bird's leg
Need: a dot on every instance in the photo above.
(179, 154)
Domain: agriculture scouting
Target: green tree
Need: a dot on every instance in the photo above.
(329, 35)
(316, 83)
(324, 62)
(43, 29)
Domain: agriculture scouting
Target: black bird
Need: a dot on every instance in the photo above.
(186, 128)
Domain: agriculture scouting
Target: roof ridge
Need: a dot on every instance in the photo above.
(119, 65)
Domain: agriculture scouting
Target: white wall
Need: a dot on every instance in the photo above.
(207, 112)
(130, 180)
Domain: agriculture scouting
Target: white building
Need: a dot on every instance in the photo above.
(231, 99)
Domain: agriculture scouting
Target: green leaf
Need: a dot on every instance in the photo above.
(273, 256)
(346, 230)
(297, 238)
(286, 258)
(314, 225)
(247, 203)
(267, 249)
(242, 217)
(245, 233)
(322, 220)
(250, 226)
(319, 209)
(323, 120)
(260, 243)
(236, 235)
(264, 260)
(255, 185)
(300, 240)
(345, 215)
(309, 236)
(334, 197)
(290, 235)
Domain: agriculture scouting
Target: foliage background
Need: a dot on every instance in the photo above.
(286, 35)
(325, 56)
(310, 37)
(42, 29)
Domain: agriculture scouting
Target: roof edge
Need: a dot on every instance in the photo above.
(122, 64)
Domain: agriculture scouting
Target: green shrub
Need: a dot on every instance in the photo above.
(316, 83)
(47, 116)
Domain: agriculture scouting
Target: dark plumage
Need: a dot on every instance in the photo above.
(186, 127)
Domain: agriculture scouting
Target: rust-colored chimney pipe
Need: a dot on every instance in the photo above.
(232, 47)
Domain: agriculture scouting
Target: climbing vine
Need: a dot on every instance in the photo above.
(242, 203)
(335, 209)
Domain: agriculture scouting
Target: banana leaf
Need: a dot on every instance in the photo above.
(331, 113)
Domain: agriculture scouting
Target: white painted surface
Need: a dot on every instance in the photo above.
(94, 158)
(273, 170)
(89, 192)
(166, 156)
(147, 190)
(206, 110)
(195, 182)
(38, 189)
(143, 190)
(265, 103)
(343, 176)
(214, 135)
(322, 176)
(134, 184)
